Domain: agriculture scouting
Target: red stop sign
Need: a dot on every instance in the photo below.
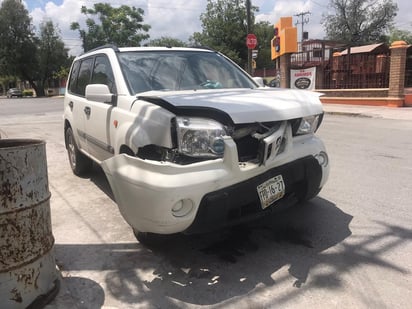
(251, 41)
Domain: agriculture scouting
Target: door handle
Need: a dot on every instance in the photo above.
(87, 110)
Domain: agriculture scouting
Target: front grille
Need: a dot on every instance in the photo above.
(247, 148)
(252, 141)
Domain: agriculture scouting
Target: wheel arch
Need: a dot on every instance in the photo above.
(127, 150)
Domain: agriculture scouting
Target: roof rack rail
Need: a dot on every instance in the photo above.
(203, 47)
(112, 46)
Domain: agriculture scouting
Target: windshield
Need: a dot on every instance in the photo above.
(180, 70)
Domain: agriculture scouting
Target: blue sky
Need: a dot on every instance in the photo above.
(32, 4)
(180, 18)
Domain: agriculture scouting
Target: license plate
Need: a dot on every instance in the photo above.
(271, 190)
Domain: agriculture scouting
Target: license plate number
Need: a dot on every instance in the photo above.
(271, 190)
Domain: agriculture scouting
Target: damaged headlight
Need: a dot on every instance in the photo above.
(198, 137)
(309, 124)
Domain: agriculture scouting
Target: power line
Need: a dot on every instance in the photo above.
(303, 21)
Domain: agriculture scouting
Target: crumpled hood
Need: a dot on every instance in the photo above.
(243, 105)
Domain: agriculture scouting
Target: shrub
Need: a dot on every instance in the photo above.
(27, 93)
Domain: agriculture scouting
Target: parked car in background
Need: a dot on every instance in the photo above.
(14, 92)
(189, 141)
(274, 83)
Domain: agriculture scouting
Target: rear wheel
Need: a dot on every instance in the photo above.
(79, 163)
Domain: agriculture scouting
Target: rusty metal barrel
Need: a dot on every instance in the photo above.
(28, 274)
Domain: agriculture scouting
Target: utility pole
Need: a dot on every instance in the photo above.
(302, 21)
(249, 29)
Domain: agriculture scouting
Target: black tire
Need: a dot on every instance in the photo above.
(150, 239)
(307, 196)
(79, 163)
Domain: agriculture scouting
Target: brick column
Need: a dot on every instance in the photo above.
(396, 96)
(285, 71)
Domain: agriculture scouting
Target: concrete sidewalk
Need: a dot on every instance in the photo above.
(401, 113)
(84, 284)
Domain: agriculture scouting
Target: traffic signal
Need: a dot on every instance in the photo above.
(284, 38)
(276, 39)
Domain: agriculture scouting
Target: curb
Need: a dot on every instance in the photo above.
(349, 114)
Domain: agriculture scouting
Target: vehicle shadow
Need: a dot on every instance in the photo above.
(98, 177)
(216, 268)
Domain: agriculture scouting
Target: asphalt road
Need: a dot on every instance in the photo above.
(349, 247)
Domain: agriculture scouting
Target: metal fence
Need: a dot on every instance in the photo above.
(408, 70)
(345, 68)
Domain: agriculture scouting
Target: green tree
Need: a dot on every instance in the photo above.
(121, 26)
(17, 42)
(6, 81)
(359, 22)
(52, 54)
(224, 28)
(64, 69)
(399, 35)
(167, 41)
(264, 34)
(24, 55)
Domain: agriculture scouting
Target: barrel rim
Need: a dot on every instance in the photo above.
(19, 143)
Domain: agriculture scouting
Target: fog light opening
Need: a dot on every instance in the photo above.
(182, 208)
(323, 159)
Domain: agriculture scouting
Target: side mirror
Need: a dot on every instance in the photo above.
(100, 93)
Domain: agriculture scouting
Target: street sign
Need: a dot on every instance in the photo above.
(251, 41)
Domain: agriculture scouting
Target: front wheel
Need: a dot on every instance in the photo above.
(305, 196)
(150, 239)
(79, 163)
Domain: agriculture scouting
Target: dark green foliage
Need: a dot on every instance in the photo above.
(27, 93)
(52, 54)
(17, 41)
(30, 58)
(359, 22)
(224, 28)
(264, 34)
(121, 26)
(167, 41)
(399, 35)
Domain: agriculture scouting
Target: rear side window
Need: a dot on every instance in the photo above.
(73, 77)
(95, 70)
(103, 74)
(80, 76)
(84, 76)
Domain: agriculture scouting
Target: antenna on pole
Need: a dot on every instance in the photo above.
(303, 20)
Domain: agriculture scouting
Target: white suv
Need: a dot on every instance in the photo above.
(189, 142)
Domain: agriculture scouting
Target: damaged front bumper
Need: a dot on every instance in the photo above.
(166, 198)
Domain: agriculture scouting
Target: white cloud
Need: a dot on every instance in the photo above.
(62, 16)
(281, 8)
(285, 8)
(177, 18)
(180, 18)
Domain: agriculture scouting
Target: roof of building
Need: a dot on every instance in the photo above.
(380, 47)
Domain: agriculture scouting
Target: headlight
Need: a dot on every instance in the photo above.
(308, 125)
(198, 137)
